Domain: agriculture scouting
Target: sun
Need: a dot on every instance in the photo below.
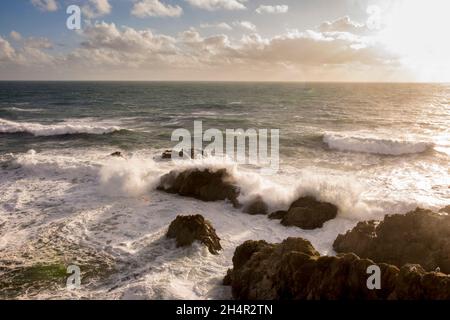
(418, 31)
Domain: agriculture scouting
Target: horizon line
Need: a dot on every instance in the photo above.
(240, 81)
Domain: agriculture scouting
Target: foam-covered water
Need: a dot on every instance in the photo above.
(356, 142)
(64, 128)
(370, 149)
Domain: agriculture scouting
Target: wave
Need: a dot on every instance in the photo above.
(345, 193)
(24, 110)
(65, 128)
(375, 145)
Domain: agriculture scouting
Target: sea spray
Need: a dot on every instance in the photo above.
(132, 177)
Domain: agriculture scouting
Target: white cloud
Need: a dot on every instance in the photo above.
(104, 36)
(16, 36)
(343, 24)
(29, 54)
(245, 24)
(220, 25)
(213, 5)
(38, 43)
(96, 8)
(6, 50)
(45, 5)
(272, 9)
(315, 49)
(155, 8)
(112, 52)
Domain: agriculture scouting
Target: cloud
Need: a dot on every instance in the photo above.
(105, 44)
(314, 49)
(272, 9)
(213, 5)
(30, 53)
(245, 25)
(96, 8)
(219, 25)
(343, 24)
(374, 21)
(111, 52)
(7, 52)
(45, 5)
(16, 36)
(38, 43)
(155, 8)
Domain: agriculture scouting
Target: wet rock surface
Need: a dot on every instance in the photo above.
(187, 229)
(420, 236)
(256, 206)
(189, 154)
(306, 213)
(293, 269)
(203, 184)
(116, 154)
(445, 210)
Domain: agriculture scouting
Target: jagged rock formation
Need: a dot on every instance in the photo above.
(293, 269)
(187, 229)
(420, 236)
(306, 213)
(203, 184)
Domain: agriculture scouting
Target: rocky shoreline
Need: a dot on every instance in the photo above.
(294, 270)
(411, 250)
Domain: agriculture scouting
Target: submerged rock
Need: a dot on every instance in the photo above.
(277, 215)
(187, 229)
(256, 206)
(306, 213)
(192, 153)
(293, 269)
(116, 154)
(445, 210)
(420, 236)
(167, 154)
(203, 184)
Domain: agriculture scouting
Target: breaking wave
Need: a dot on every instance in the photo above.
(24, 110)
(375, 145)
(64, 128)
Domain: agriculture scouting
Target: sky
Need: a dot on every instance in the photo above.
(227, 40)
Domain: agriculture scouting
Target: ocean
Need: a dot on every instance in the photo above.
(372, 149)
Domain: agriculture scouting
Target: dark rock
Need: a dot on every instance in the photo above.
(203, 184)
(295, 270)
(191, 154)
(445, 210)
(256, 206)
(167, 154)
(419, 237)
(116, 154)
(187, 229)
(414, 283)
(306, 213)
(277, 215)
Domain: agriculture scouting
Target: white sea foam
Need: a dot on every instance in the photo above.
(344, 192)
(67, 127)
(24, 110)
(109, 204)
(372, 144)
(132, 177)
